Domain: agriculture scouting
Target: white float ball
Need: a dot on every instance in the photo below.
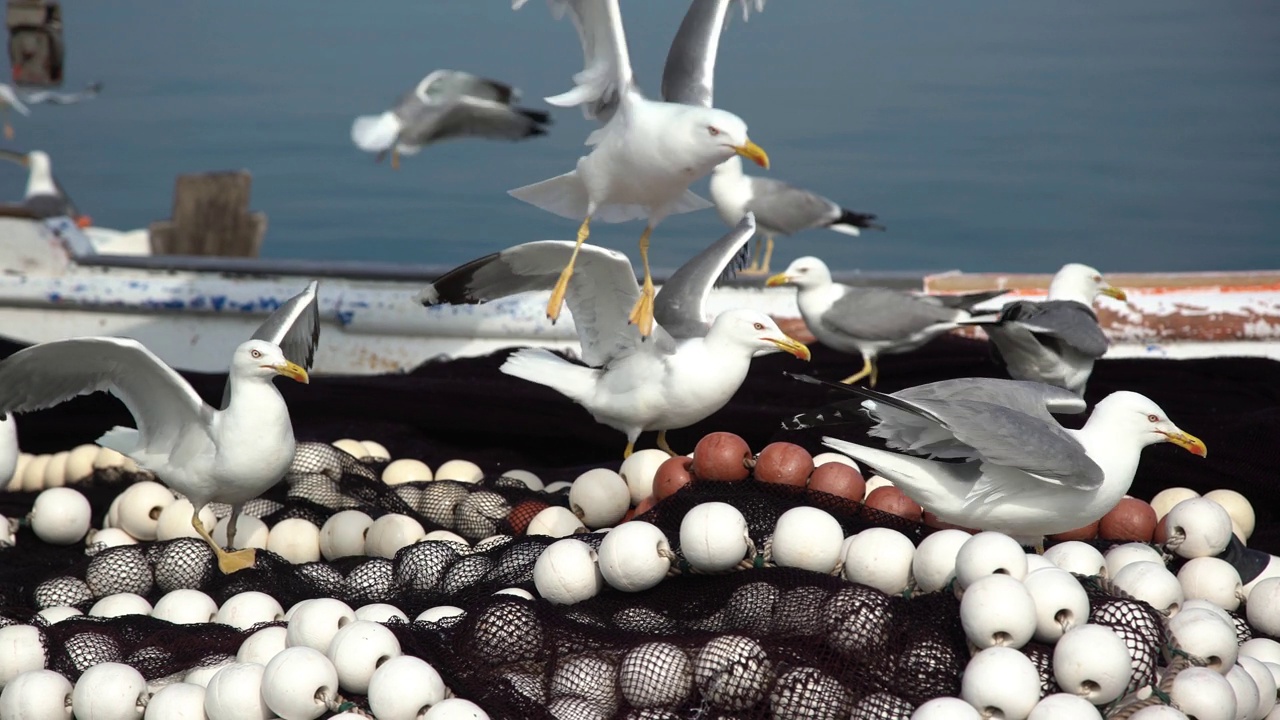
(1263, 649)
(61, 516)
(140, 508)
(1151, 583)
(599, 497)
(406, 470)
(296, 540)
(875, 482)
(1003, 680)
(376, 450)
(807, 538)
(638, 471)
(1064, 706)
(1164, 500)
(989, 553)
(250, 532)
(36, 695)
(33, 473)
(1037, 562)
(1212, 579)
(358, 649)
(1246, 692)
(555, 521)
(557, 486)
(567, 572)
(634, 556)
(1078, 558)
(1238, 507)
(946, 708)
(997, 610)
(391, 532)
(1204, 693)
(1263, 607)
(403, 687)
(119, 605)
(463, 471)
(185, 607)
(352, 447)
(733, 672)
(343, 534)
(1158, 712)
(934, 564)
(109, 691)
(531, 481)
(244, 610)
(834, 457)
(177, 701)
(1263, 680)
(263, 645)
(1092, 661)
(655, 675)
(447, 535)
(880, 558)
(380, 613)
(713, 537)
(1198, 528)
(21, 650)
(80, 463)
(1129, 553)
(59, 613)
(107, 458)
(175, 520)
(1205, 635)
(1060, 600)
(313, 623)
(455, 709)
(439, 612)
(235, 693)
(298, 683)
(108, 538)
(55, 473)
(201, 674)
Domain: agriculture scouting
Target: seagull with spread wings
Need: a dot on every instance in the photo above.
(12, 99)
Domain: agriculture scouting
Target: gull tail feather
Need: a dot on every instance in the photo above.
(375, 133)
(912, 475)
(688, 203)
(565, 195)
(541, 366)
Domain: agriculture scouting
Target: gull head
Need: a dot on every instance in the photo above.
(1082, 284)
(1130, 414)
(261, 359)
(720, 135)
(805, 272)
(754, 331)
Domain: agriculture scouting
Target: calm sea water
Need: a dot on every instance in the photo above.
(987, 135)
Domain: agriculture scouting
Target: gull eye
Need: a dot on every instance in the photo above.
(759, 326)
(1097, 278)
(804, 270)
(255, 354)
(1153, 418)
(713, 130)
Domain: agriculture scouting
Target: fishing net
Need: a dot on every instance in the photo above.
(759, 641)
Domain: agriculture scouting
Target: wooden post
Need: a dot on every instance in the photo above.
(210, 217)
(35, 42)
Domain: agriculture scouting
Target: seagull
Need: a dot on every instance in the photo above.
(10, 98)
(780, 208)
(44, 196)
(647, 152)
(690, 369)
(447, 104)
(1022, 474)
(871, 320)
(8, 449)
(229, 455)
(1056, 341)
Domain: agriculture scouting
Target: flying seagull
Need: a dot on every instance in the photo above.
(12, 99)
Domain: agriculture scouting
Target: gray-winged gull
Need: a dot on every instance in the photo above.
(647, 152)
(12, 99)
(780, 209)
(1023, 474)
(44, 196)
(1055, 341)
(690, 368)
(229, 455)
(447, 104)
(871, 321)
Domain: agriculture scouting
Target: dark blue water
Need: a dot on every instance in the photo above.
(987, 134)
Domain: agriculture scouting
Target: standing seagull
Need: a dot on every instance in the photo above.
(44, 196)
(1056, 341)
(780, 208)
(647, 152)
(9, 98)
(447, 104)
(871, 320)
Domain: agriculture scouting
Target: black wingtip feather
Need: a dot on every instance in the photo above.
(541, 117)
(866, 221)
(454, 287)
(869, 394)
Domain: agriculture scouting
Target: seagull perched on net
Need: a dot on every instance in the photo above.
(447, 104)
(647, 152)
(1022, 473)
(871, 321)
(229, 455)
(690, 368)
(1055, 341)
(10, 98)
(780, 209)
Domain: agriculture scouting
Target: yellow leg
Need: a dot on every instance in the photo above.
(867, 369)
(754, 267)
(642, 313)
(395, 159)
(228, 562)
(8, 130)
(631, 446)
(557, 293)
(768, 254)
(875, 372)
(662, 444)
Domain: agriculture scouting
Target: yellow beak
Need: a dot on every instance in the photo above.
(1188, 442)
(754, 153)
(795, 347)
(1114, 292)
(294, 371)
(776, 280)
